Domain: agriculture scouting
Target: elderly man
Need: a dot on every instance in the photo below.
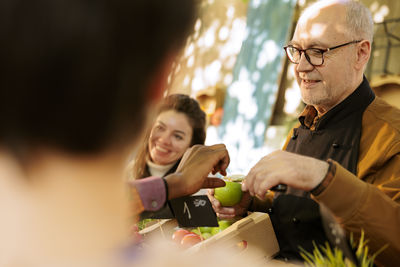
(345, 153)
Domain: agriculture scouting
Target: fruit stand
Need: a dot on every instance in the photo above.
(254, 232)
(253, 236)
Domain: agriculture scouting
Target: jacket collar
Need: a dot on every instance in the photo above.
(355, 102)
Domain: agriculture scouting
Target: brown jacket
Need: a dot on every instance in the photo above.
(371, 200)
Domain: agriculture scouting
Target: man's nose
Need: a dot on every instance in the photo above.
(304, 64)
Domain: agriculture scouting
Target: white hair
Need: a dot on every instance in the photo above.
(359, 20)
(358, 17)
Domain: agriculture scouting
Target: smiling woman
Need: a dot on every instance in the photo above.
(180, 124)
(170, 137)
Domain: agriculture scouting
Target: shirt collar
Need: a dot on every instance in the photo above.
(309, 117)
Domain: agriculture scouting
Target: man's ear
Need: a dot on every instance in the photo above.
(363, 54)
(158, 82)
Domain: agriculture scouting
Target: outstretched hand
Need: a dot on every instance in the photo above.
(192, 172)
(282, 167)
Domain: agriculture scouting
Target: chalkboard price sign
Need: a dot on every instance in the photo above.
(194, 211)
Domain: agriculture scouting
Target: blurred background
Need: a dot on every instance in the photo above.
(235, 66)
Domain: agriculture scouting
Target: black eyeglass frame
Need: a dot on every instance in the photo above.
(322, 51)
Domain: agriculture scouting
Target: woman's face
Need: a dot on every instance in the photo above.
(170, 136)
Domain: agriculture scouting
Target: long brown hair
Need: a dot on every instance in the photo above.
(197, 119)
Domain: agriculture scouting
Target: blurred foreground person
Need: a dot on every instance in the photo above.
(76, 83)
(345, 152)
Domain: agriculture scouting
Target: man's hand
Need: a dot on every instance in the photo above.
(230, 212)
(192, 172)
(282, 167)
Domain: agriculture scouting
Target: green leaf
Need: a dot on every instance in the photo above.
(326, 257)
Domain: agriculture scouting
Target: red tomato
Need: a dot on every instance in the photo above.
(190, 240)
(179, 234)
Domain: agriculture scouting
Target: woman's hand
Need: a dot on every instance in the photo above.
(230, 212)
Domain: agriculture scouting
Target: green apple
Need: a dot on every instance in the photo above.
(236, 177)
(206, 235)
(196, 231)
(215, 230)
(230, 194)
(223, 224)
(205, 229)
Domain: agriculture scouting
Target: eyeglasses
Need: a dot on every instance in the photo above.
(314, 56)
